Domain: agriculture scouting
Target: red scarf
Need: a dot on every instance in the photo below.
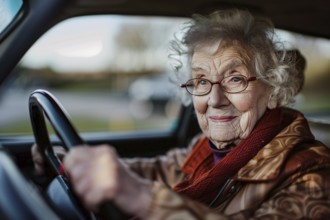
(207, 178)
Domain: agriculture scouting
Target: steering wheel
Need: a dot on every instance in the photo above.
(65, 202)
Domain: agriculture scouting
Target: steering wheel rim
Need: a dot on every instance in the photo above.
(43, 104)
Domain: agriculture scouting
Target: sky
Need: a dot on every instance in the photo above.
(71, 47)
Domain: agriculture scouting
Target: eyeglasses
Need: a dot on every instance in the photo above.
(230, 84)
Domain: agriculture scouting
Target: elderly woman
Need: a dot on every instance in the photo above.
(254, 158)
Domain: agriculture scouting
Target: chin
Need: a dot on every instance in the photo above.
(223, 139)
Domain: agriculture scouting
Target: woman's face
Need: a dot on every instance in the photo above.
(227, 118)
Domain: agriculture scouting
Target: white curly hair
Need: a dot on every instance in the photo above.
(279, 68)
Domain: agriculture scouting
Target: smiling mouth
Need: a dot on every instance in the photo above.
(222, 118)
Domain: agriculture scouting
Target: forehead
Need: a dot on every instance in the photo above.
(220, 52)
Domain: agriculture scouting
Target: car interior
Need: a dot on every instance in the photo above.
(98, 71)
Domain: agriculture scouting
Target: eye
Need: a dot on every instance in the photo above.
(234, 79)
(201, 82)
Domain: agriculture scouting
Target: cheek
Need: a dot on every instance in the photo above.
(242, 102)
(200, 105)
(251, 107)
(247, 122)
(250, 102)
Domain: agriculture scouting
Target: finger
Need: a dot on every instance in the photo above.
(34, 149)
(59, 151)
(82, 186)
(93, 199)
(78, 172)
(35, 152)
(37, 159)
(39, 169)
(75, 155)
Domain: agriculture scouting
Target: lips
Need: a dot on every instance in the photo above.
(222, 118)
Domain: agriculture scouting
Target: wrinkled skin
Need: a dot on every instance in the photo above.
(227, 118)
(98, 175)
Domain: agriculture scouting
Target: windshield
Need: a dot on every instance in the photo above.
(8, 11)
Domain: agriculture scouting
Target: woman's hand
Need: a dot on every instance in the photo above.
(38, 160)
(97, 176)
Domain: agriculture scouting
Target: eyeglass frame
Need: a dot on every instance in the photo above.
(250, 79)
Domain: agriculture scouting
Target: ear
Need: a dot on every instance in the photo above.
(272, 102)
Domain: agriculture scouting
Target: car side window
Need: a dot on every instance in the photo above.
(109, 72)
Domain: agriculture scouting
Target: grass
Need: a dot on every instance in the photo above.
(84, 124)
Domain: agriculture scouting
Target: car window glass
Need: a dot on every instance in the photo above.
(8, 11)
(313, 100)
(109, 72)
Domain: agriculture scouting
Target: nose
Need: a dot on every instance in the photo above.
(217, 97)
